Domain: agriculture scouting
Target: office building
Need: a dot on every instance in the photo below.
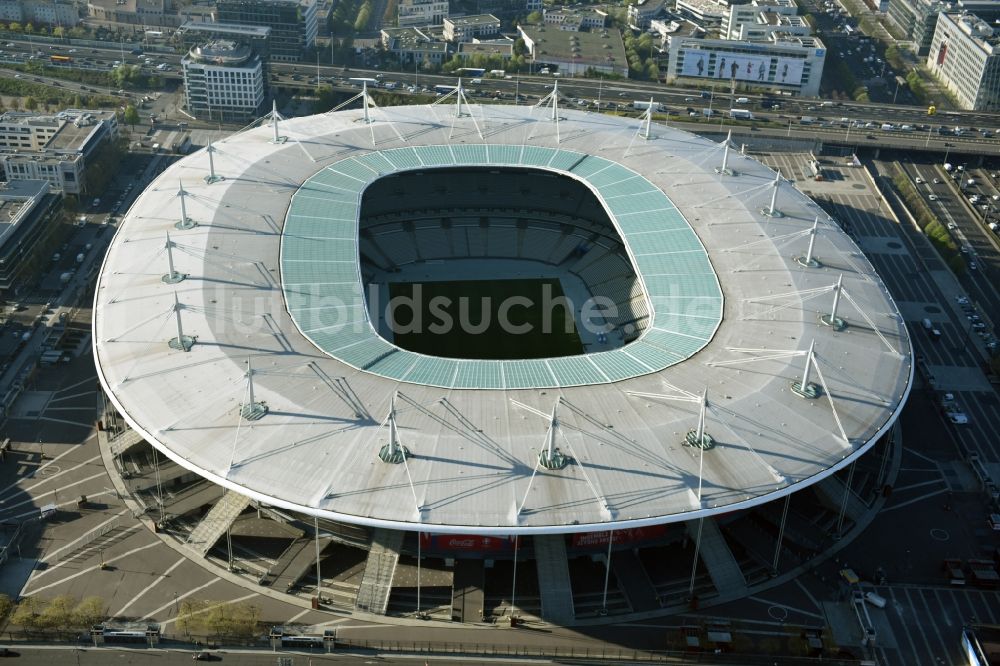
(292, 22)
(224, 81)
(419, 13)
(754, 21)
(916, 19)
(575, 52)
(414, 46)
(56, 12)
(781, 63)
(55, 147)
(574, 20)
(965, 57)
(30, 213)
(469, 28)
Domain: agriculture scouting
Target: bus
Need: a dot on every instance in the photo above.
(477, 72)
(360, 82)
(60, 59)
(740, 114)
(444, 90)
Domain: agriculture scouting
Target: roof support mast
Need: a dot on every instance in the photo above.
(181, 342)
(550, 457)
(771, 210)
(172, 276)
(393, 452)
(724, 170)
(700, 437)
(804, 387)
(832, 320)
(211, 177)
(252, 410)
(185, 221)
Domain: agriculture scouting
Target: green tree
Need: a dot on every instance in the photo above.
(131, 116)
(59, 31)
(534, 18)
(15, 27)
(30, 103)
(29, 28)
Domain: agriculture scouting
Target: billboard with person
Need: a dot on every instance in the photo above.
(727, 66)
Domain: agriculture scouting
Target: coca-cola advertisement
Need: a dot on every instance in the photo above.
(466, 543)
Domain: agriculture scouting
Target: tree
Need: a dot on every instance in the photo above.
(534, 18)
(59, 31)
(30, 103)
(91, 610)
(58, 614)
(15, 27)
(6, 605)
(27, 613)
(29, 28)
(131, 117)
(190, 619)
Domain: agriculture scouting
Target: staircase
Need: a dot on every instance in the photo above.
(831, 492)
(376, 583)
(722, 567)
(217, 521)
(553, 578)
(125, 441)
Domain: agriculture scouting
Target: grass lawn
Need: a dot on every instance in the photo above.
(462, 319)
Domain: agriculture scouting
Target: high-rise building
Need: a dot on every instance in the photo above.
(292, 22)
(916, 19)
(965, 57)
(223, 80)
(29, 229)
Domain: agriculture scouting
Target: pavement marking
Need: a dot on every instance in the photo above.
(936, 615)
(149, 587)
(56, 490)
(989, 606)
(64, 453)
(48, 556)
(917, 485)
(84, 424)
(786, 607)
(297, 616)
(54, 476)
(79, 383)
(915, 500)
(808, 594)
(212, 607)
(88, 570)
(187, 594)
(913, 614)
(71, 396)
(34, 512)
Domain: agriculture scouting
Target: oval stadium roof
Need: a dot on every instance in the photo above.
(473, 467)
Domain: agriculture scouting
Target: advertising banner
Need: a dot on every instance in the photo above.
(466, 543)
(621, 537)
(751, 68)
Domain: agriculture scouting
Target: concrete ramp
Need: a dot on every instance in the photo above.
(467, 595)
(376, 582)
(297, 560)
(553, 578)
(831, 492)
(633, 581)
(722, 566)
(217, 521)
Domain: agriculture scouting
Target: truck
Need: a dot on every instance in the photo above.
(887, 127)
(806, 120)
(642, 105)
(740, 114)
(708, 113)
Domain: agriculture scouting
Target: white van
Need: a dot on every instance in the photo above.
(876, 600)
(742, 100)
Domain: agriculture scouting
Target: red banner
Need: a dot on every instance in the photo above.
(621, 537)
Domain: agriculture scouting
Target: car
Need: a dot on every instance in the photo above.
(952, 225)
(979, 326)
(958, 418)
(962, 300)
(933, 197)
(937, 181)
(205, 656)
(973, 266)
(918, 180)
(994, 522)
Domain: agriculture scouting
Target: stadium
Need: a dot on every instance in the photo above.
(542, 361)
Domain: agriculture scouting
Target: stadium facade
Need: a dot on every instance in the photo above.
(742, 348)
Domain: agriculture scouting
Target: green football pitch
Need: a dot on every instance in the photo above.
(462, 319)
